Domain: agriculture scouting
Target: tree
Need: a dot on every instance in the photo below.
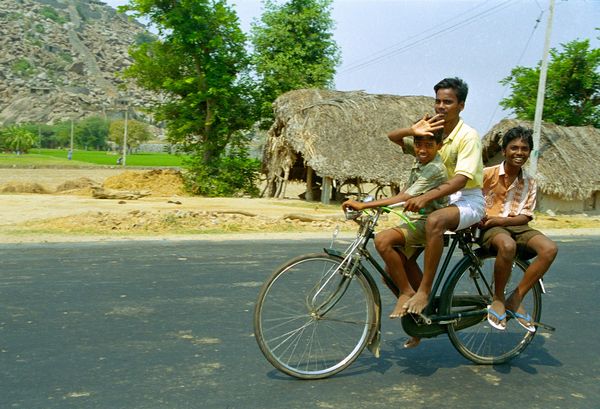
(18, 139)
(137, 133)
(201, 67)
(92, 132)
(293, 48)
(572, 87)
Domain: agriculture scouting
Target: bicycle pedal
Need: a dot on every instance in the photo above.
(420, 318)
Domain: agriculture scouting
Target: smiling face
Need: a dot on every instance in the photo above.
(425, 149)
(516, 153)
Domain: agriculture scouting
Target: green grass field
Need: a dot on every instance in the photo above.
(58, 158)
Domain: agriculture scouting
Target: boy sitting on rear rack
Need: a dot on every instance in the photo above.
(427, 173)
(510, 197)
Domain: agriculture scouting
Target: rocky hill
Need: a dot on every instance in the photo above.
(59, 60)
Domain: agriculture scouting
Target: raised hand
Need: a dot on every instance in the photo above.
(427, 125)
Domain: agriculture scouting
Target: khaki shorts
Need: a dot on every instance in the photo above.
(520, 234)
(415, 239)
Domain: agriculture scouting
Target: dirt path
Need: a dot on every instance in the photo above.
(80, 217)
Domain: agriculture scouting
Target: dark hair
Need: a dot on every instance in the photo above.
(438, 136)
(461, 89)
(518, 132)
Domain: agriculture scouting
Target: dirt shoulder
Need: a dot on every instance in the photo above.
(68, 211)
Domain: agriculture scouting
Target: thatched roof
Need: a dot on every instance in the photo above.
(342, 135)
(568, 157)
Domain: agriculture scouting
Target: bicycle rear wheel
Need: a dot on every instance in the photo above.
(469, 293)
(312, 321)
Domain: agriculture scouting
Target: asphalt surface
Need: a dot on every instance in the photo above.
(168, 324)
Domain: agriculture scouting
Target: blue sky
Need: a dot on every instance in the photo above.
(404, 47)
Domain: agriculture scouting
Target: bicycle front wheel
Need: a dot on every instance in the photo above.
(469, 293)
(311, 319)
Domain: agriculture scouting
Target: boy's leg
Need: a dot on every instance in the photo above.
(394, 264)
(413, 271)
(506, 249)
(546, 251)
(393, 259)
(437, 223)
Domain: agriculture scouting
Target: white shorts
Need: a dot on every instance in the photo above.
(471, 206)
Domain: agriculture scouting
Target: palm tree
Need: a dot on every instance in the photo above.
(18, 139)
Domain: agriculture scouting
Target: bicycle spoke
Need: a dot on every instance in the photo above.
(310, 320)
(474, 337)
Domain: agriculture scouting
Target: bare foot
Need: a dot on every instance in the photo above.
(412, 342)
(417, 303)
(399, 309)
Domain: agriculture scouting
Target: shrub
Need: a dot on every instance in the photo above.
(228, 176)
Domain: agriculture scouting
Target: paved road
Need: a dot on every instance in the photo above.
(169, 325)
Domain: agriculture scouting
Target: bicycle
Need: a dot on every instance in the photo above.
(355, 189)
(317, 312)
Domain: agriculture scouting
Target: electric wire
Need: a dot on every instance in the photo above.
(537, 23)
(402, 46)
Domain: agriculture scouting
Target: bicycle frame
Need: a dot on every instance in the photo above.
(429, 323)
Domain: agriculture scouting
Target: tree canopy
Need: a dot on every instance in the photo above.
(137, 132)
(199, 64)
(293, 49)
(572, 87)
(214, 91)
(17, 138)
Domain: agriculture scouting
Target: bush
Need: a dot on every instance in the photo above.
(22, 67)
(229, 176)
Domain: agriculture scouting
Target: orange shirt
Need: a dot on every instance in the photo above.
(503, 201)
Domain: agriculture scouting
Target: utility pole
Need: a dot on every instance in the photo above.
(539, 105)
(70, 153)
(125, 133)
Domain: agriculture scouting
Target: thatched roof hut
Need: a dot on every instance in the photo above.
(339, 136)
(568, 174)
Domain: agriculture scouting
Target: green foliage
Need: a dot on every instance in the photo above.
(52, 14)
(200, 65)
(232, 175)
(22, 67)
(572, 87)
(18, 139)
(92, 133)
(293, 48)
(137, 133)
(144, 38)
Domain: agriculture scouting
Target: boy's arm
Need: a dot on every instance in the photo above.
(506, 221)
(426, 126)
(356, 205)
(452, 185)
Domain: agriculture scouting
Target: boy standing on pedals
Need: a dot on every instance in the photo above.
(428, 172)
(510, 198)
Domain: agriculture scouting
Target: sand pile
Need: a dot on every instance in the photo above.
(23, 187)
(155, 182)
(159, 182)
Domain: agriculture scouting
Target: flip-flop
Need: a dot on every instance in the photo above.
(498, 325)
(525, 317)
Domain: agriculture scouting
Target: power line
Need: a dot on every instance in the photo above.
(537, 23)
(402, 47)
